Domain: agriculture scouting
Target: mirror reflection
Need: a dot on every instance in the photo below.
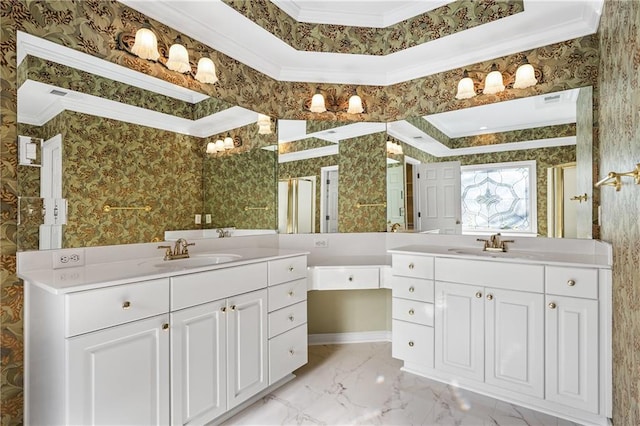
(123, 164)
(488, 144)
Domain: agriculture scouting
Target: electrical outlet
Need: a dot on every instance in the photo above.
(68, 258)
(321, 242)
(198, 219)
(207, 218)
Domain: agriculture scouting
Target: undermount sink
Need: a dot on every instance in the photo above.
(492, 254)
(194, 261)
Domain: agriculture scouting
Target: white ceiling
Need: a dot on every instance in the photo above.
(219, 26)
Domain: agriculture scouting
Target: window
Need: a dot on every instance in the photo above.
(499, 197)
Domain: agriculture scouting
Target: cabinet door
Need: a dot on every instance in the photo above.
(247, 346)
(459, 330)
(572, 352)
(120, 375)
(514, 341)
(199, 363)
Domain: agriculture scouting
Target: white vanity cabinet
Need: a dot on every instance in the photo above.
(287, 316)
(412, 310)
(532, 333)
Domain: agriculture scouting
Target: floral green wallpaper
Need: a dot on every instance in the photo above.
(302, 145)
(618, 124)
(443, 21)
(362, 177)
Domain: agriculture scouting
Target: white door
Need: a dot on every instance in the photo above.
(459, 330)
(395, 194)
(199, 363)
(514, 341)
(51, 192)
(246, 346)
(572, 352)
(329, 200)
(570, 207)
(120, 375)
(439, 192)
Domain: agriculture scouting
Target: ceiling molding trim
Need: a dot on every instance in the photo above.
(309, 153)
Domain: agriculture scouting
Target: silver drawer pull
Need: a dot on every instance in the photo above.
(411, 289)
(411, 312)
(411, 265)
(290, 293)
(489, 296)
(233, 307)
(126, 305)
(350, 277)
(290, 268)
(479, 295)
(223, 309)
(411, 343)
(552, 305)
(291, 318)
(571, 283)
(165, 326)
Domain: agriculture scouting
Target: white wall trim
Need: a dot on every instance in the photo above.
(350, 337)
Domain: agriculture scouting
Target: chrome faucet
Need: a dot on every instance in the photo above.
(180, 250)
(395, 227)
(222, 233)
(494, 243)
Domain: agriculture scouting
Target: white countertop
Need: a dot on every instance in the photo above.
(98, 275)
(514, 256)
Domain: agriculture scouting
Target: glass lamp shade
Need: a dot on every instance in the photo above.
(525, 77)
(355, 105)
(178, 59)
(211, 148)
(465, 89)
(146, 44)
(264, 130)
(398, 149)
(317, 103)
(206, 71)
(263, 120)
(493, 83)
(228, 142)
(219, 145)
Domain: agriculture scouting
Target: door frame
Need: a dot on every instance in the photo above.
(324, 172)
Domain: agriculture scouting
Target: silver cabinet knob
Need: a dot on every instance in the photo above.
(165, 326)
(291, 352)
(411, 312)
(552, 305)
(411, 265)
(290, 268)
(350, 278)
(126, 304)
(411, 343)
(489, 296)
(290, 293)
(411, 289)
(479, 294)
(571, 283)
(233, 307)
(291, 318)
(223, 309)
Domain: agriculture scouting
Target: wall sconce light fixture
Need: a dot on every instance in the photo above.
(525, 76)
(145, 45)
(264, 124)
(394, 147)
(222, 145)
(329, 101)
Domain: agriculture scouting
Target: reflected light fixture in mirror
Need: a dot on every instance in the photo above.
(317, 102)
(145, 46)
(264, 124)
(355, 104)
(525, 76)
(228, 142)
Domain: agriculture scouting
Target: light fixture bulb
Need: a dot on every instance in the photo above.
(493, 83)
(355, 105)
(317, 103)
(525, 76)
(211, 148)
(219, 145)
(145, 45)
(206, 72)
(466, 89)
(228, 142)
(264, 130)
(178, 57)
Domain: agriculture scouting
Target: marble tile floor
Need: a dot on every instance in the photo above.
(361, 384)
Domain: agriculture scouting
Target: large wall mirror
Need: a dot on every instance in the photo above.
(113, 156)
(493, 148)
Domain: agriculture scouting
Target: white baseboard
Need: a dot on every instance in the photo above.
(351, 337)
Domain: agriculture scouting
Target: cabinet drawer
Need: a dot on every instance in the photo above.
(287, 318)
(287, 352)
(95, 309)
(413, 266)
(202, 287)
(412, 343)
(576, 282)
(412, 311)
(344, 278)
(510, 276)
(413, 288)
(287, 294)
(288, 269)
